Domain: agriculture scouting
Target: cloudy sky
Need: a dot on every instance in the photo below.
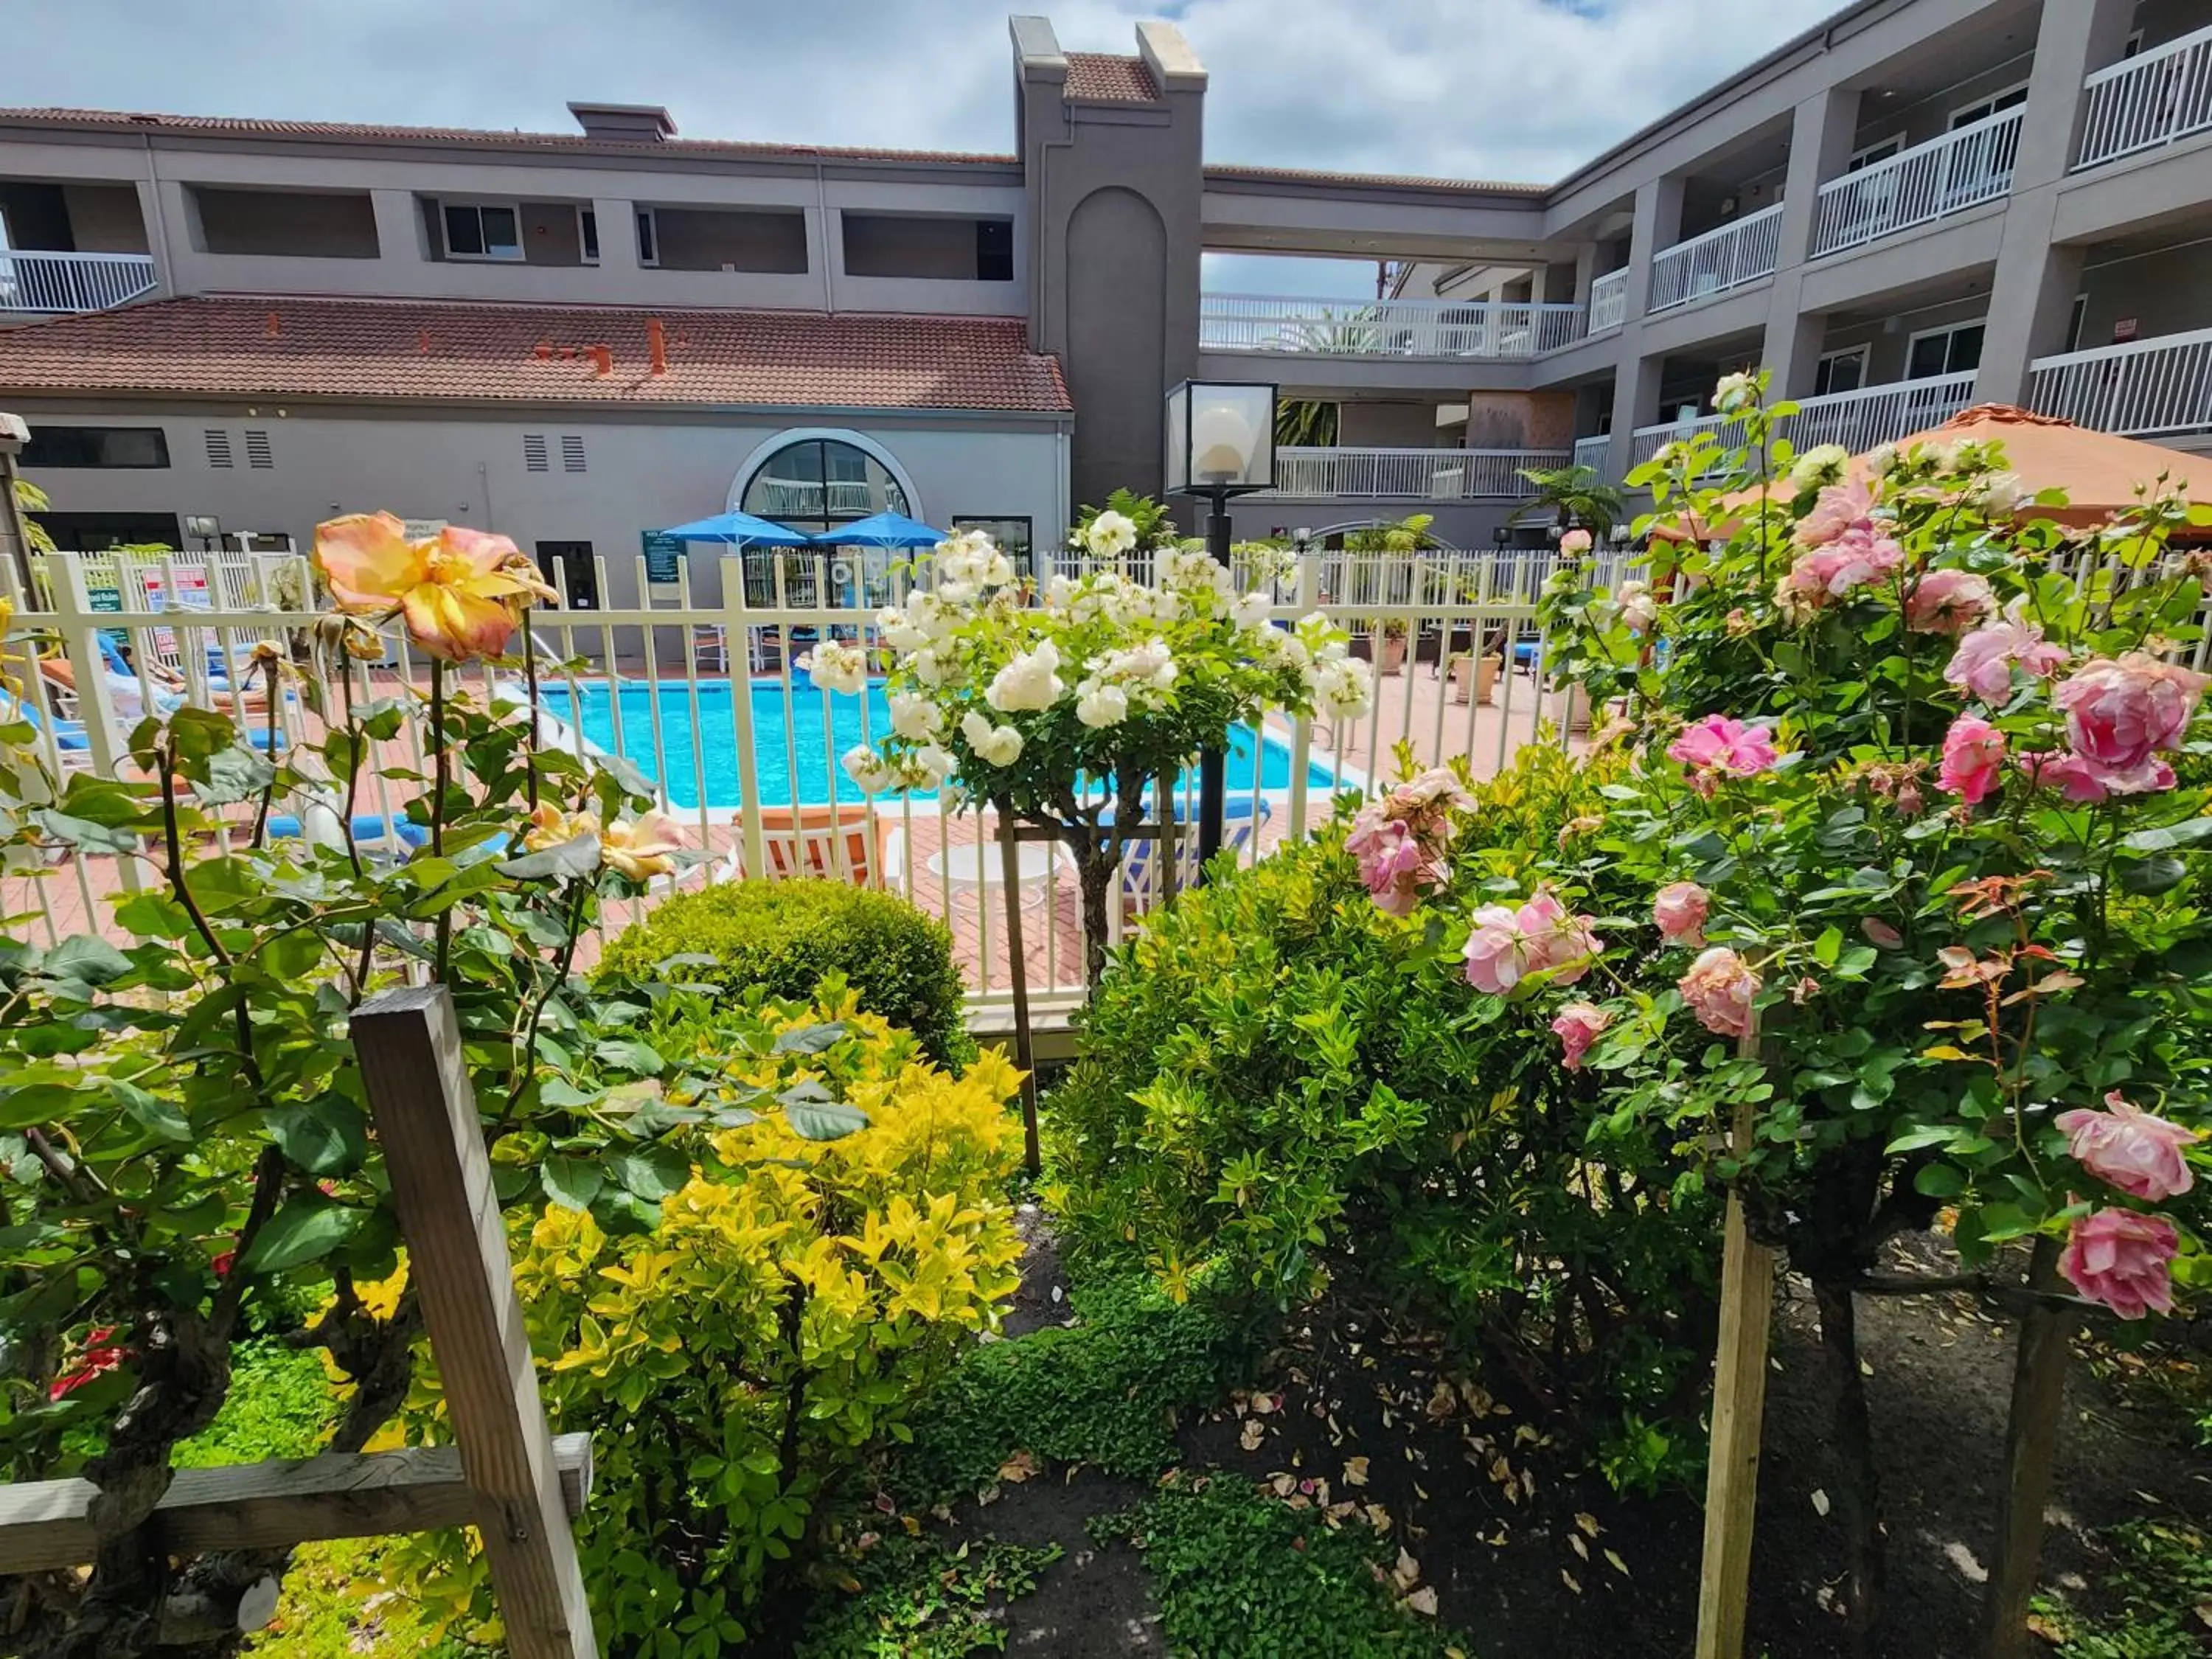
(1507, 89)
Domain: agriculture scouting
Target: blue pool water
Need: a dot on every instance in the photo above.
(795, 745)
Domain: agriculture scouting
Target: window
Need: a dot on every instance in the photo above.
(1880, 151)
(649, 238)
(1012, 536)
(2074, 319)
(572, 451)
(479, 231)
(533, 453)
(257, 453)
(818, 483)
(1982, 109)
(218, 447)
(587, 235)
(1953, 351)
(97, 446)
(995, 250)
(1840, 371)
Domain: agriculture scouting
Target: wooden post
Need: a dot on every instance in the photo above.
(1164, 788)
(1739, 1411)
(410, 1048)
(1009, 850)
(2038, 1394)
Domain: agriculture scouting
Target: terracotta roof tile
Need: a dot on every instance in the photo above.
(540, 354)
(1104, 78)
(353, 131)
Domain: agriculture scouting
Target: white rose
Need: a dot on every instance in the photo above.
(1342, 688)
(1638, 610)
(1029, 681)
(869, 770)
(1735, 392)
(1111, 534)
(995, 745)
(1253, 610)
(1820, 466)
(996, 569)
(930, 668)
(1101, 706)
(931, 765)
(1060, 592)
(2001, 492)
(915, 717)
(1879, 459)
(836, 666)
(957, 592)
(899, 631)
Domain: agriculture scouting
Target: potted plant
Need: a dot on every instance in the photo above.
(1475, 676)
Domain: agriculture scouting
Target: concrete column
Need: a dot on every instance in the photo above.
(1635, 402)
(1585, 271)
(2034, 285)
(1657, 224)
(1819, 149)
(616, 218)
(399, 230)
(157, 241)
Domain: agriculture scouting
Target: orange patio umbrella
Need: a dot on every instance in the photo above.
(2099, 471)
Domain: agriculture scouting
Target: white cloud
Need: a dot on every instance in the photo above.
(1511, 89)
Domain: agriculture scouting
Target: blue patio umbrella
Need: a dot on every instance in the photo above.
(739, 528)
(881, 530)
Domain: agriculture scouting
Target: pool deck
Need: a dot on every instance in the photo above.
(77, 895)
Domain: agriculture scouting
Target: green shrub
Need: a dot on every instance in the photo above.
(2153, 1600)
(769, 1335)
(785, 935)
(1279, 1081)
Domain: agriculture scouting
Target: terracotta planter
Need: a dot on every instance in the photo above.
(1483, 671)
(1392, 652)
(1570, 711)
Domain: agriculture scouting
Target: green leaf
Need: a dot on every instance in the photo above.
(1925, 1134)
(1828, 946)
(84, 835)
(577, 856)
(559, 1092)
(327, 1136)
(2160, 874)
(153, 915)
(2172, 835)
(651, 1172)
(238, 773)
(571, 1182)
(308, 1228)
(150, 1111)
(809, 1039)
(85, 957)
(811, 1113)
(630, 1054)
(1939, 1180)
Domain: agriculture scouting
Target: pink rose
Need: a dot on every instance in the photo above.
(1947, 602)
(1880, 934)
(1392, 862)
(1575, 543)
(2129, 1148)
(1496, 950)
(2075, 779)
(1437, 788)
(1719, 988)
(2121, 713)
(1718, 746)
(1838, 508)
(2121, 1259)
(1973, 756)
(1680, 908)
(1579, 1025)
(1505, 946)
(1983, 661)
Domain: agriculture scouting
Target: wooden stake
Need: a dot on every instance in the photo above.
(1010, 852)
(1739, 1412)
(2039, 1395)
(410, 1047)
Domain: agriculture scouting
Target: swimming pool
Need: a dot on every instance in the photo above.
(709, 744)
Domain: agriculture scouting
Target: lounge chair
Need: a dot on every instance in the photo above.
(1240, 825)
(805, 841)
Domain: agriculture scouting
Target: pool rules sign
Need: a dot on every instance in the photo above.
(664, 557)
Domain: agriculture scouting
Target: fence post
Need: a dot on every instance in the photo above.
(737, 648)
(1739, 1413)
(410, 1047)
(2038, 1399)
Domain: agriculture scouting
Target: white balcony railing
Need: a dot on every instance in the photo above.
(1944, 175)
(1608, 301)
(1591, 451)
(1742, 251)
(1859, 420)
(2161, 385)
(1408, 474)
(2149, 100)
(63, 284)
(1384, 328)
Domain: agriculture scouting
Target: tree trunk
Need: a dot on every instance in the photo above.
(1859, 1496)
(1095, 870)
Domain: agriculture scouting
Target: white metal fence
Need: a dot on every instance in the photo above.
(2143, 388)
(1742, 251)
(1414, 475)
(60, 284)
(2149, 100)
(1857, 420)
(1384, 328)
(1945, 175)
(702, 690)
(1608, 301)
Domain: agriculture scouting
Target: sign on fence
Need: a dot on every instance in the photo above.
(664, 555)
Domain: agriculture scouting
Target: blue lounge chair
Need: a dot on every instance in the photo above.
(1239, 826)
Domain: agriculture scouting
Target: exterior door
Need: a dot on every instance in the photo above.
(569, 567)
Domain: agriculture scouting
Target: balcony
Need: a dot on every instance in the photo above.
(2145, 388)
(1591, 451)
(1859, 421)
(66, 284)
(1742, 251)
(2147, 101)
(1943, 176)
(1384, 328)
(1408, 474)
(1608, 301)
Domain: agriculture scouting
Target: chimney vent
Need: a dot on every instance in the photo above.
(627, 123)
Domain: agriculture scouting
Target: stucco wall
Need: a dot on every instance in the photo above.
(2168, 292)
(1387, 425)
(469, 469)
(298, 224)
(105, 218)
(701, 239)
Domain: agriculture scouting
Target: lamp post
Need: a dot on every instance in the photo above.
(1220, 442)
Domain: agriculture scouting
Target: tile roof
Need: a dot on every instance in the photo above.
(539, 355)
(354, 131)
(1230, 172)
(1105, 78)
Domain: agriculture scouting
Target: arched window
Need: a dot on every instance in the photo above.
(817, 484)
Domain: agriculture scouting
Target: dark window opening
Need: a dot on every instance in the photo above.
(569, 567)
(995, 250)
(97, 446)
